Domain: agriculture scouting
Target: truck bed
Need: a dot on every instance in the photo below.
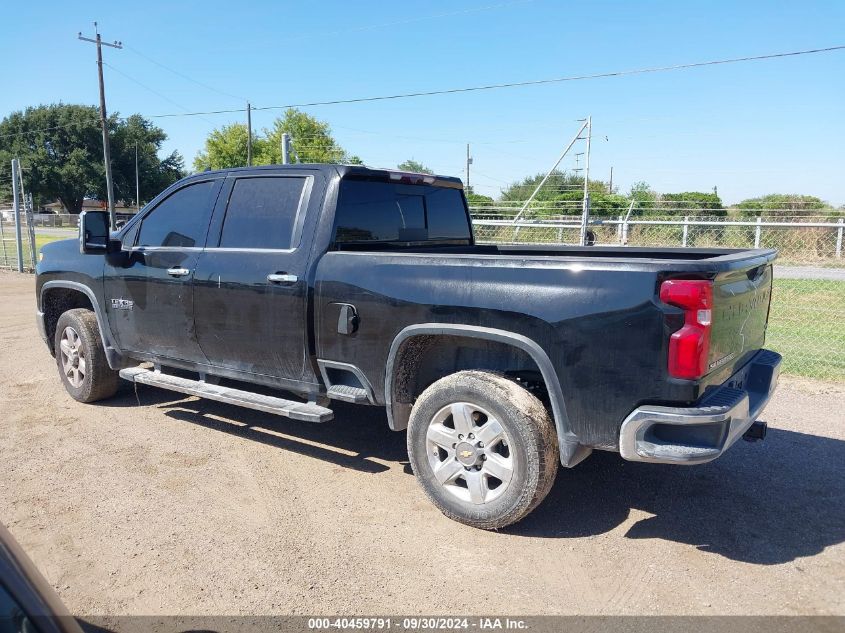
(638, 253)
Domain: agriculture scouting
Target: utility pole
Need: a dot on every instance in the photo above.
(585, 215)
(285, 148)
(106, 152)
(249, 134)
(577, 136)
(137, 182)
(610, 187)
(469, 162)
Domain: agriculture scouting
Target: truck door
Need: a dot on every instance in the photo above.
(250, 287)
(148, 289)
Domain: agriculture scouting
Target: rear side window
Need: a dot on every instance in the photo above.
(262, 212)
(373, 211)
(181, 219)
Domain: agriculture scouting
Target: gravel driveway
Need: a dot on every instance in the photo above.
(150, 503)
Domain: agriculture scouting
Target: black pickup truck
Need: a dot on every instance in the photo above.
(283, 288)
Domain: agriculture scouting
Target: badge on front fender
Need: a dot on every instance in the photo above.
(122, 304)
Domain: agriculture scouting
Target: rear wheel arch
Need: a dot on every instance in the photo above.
(414, 344)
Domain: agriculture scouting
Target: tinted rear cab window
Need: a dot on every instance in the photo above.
(262, 212)
(370, 211)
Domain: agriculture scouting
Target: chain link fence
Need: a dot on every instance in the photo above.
(807, 323)
(9, 242)
(37, 229)
(807, 320)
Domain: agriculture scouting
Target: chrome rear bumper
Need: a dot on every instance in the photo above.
(699, 434)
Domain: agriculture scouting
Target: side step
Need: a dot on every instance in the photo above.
(347, 393)
(305, 411)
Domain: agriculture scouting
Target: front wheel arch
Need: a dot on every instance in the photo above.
(59, 296)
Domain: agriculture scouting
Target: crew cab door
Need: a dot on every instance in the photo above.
(148, 288)
(250, 287)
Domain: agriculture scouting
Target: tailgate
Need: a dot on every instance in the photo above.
(740, 314)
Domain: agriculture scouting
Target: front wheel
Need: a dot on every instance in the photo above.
(483, 448)
(81, 358)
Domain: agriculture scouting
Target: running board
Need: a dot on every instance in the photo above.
(305, 411)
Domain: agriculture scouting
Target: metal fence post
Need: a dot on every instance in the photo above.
(758, 231)
(31, 229)
(285, 148)
(619, 231)
(839, 237)
(3, 240)
(625, 231)
(17, 211)
(686, 231)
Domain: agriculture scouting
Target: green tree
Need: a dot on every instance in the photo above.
(563, 194)
(311, 141)
(558, 183)
(643, 194)
(226, 147)
(154, 174)
(783, 205)
(414, 166)
(60, 147)
(692, 203)
(477, 199)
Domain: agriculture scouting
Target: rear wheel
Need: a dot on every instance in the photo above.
(483, 448)
(81, 358)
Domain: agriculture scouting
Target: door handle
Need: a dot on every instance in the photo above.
(282, 278)
(178, 272)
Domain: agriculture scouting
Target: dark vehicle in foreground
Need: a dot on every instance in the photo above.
(28, 603)
(367, 286)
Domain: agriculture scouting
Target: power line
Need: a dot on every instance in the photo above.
(155, 92)
(455, 90)
(438, 92)
(517, 84)
(183, 75)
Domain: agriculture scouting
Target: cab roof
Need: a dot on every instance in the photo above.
(346, 171)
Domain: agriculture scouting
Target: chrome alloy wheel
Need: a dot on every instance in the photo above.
(469, 453)
(73, 357)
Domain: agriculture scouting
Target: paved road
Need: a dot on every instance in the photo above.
(152, 503)
(67, 231)
(809, 272)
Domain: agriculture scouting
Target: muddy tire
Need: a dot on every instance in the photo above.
(81, 359)
(483, 448)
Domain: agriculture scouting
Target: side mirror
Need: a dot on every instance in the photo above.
(93, 232)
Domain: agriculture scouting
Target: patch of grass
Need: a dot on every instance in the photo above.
(41, 239)
(807, 326)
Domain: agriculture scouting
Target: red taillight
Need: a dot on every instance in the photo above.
(689, 346)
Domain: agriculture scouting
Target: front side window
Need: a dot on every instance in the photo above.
(376, 211)
(181, 219)
(262, 212)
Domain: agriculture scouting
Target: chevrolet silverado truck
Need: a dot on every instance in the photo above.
(284, 288)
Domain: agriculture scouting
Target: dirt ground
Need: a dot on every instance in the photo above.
(150, 503)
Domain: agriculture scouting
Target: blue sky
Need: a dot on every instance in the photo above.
(750, 129)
